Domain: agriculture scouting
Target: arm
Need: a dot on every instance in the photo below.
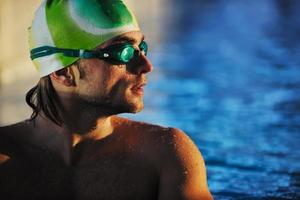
(183, 173)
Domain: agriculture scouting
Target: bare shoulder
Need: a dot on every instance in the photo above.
(176, 147)
(170, 142)
(145, 130)
(166, 135)
(13, 134)
(15, 130)
(178, 160)
(5, 135)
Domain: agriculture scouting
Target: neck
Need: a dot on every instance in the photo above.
(85, 120)
(83, 125)
(87, 123)
(61, 139)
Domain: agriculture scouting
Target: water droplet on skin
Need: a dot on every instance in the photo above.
(165, 129)
(153, 129)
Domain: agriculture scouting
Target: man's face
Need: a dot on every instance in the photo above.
(118, 88)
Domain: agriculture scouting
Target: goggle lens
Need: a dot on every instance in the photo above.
(144, 47)
(127, 53)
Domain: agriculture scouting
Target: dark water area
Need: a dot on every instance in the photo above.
(228, 74)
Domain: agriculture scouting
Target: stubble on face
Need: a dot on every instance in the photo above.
(108, 87)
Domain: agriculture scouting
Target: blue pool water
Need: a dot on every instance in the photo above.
(228, 74)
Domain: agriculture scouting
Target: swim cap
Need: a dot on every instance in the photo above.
(76, 24)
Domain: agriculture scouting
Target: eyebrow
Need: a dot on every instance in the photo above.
(123, 39)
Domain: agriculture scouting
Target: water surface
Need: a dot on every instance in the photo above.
(227, 73)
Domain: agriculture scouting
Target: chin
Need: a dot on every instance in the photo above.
(133, 103)
(137, 109)
(132, 107)
(138, 105)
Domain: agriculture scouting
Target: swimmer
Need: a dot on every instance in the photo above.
(92, 60)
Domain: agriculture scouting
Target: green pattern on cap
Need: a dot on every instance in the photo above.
(107, 14)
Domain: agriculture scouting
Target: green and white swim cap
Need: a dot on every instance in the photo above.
(76, 24)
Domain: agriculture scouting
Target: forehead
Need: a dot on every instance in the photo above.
(134, 37)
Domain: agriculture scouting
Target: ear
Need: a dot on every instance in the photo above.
(64, 77)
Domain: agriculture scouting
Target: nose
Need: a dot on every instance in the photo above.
(143, 65)
(146, 64)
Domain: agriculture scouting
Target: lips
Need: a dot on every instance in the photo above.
(138, 89)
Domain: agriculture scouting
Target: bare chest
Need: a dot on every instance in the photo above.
(115, 178)
(118, 177)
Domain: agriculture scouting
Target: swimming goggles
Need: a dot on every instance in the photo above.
(123, 53)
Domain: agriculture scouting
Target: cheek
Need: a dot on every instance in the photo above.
(91, 81)
(104, 79)
(117, 87)
(110, 82)
(115, 77)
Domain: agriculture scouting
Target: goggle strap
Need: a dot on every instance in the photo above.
(42, 51)
(80, 53)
